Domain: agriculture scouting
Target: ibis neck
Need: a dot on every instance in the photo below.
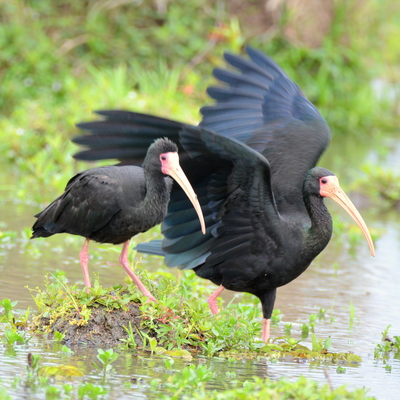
(320, 232)
(157, 192)
(267, 299)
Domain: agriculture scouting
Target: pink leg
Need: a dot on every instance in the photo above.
(84, 258)
(212, 300)
(123, 259)
(265, 329)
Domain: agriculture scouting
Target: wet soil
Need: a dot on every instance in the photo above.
(105, 327)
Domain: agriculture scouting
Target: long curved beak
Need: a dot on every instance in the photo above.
(336, 193)
(172, 168)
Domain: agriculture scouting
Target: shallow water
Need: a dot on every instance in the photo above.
(337, 278)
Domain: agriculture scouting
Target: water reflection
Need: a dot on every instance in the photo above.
(336, 279)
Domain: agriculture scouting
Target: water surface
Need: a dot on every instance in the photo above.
(341, 276)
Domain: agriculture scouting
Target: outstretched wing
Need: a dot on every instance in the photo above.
(236, 194)
(262, 107)
(259, 106)
(124, 135)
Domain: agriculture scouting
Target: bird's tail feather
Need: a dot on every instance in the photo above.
(154, 248)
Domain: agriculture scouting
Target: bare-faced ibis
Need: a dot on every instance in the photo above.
(252, 163)
(114, 203)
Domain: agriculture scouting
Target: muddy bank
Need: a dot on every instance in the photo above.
(105, 326)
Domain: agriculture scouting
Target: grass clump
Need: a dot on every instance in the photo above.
(59, 300)
(179, 324)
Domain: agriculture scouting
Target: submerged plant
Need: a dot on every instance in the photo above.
(7, 316)
(91, 391)
(12, 336)
(352, 314)
(320, 345)
(189, 381)
(12, 332)
(387, 345)
(106, 358)
(33, 367)
(282, 389)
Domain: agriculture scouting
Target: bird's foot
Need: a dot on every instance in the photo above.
(212, 300)
(213, 306)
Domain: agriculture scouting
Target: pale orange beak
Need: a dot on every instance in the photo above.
(174, 170)
(333, 190)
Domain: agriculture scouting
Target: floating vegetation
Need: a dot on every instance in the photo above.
(388, 345)
(283, 389)
(287, 349)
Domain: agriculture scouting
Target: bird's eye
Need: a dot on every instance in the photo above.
(163, 158)
(324, 180)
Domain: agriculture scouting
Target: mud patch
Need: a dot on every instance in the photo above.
(105, 327)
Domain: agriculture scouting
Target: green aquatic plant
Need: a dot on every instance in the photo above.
(7, 315)
(189, 381)
(168, 362)
(106, 358)
(276, 317)
(19, 322)
(60, 371)
(387, 345)
(91, 391)
(388, 349)
(13, 333)
(283, 389)
(11, 336)
(130, 341)
(33, 367)
(288, 329)
(52, 392)
(58, 336)
(320, 345)
(4, 395)
(306, 328)
(321, 314)
(351, 315)
(178, 322)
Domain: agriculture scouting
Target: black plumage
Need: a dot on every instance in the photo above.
(251, 162)
(114, 203)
